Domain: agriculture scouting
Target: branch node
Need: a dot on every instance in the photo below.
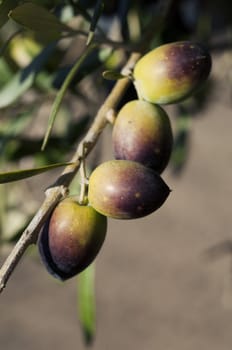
(51, 190)
(111, 116)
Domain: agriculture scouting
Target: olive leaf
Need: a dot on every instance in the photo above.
(10, 130)
(24, 79)
(181, 143)
(8, 41)
(96, 15)
(5, 7)
(86, 303)
(25, 173)
(39, 20)
(14, 89)
(111, 75)
(5, 72)
(59, 97)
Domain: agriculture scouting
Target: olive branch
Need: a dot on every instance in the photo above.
(59, 189)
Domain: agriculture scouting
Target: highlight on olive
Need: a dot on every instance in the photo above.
(172, 72)
(71, 238)
(124, 189)
(142, 132)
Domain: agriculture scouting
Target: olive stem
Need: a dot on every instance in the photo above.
(58, 191)
(84, 180)
(137, 90)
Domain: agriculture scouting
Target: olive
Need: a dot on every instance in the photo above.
(71, 238)
(171, 72)
(124, 189)
(142, 133)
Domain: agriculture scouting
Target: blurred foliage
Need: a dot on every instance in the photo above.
(86, 303)
(40, 43)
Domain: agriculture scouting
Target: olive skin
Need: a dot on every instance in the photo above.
(171, 72)
(71, 238)
(124, 189)
(142, 133)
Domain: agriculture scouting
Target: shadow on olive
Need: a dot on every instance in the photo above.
(71, 238)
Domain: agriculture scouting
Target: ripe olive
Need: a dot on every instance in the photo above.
(71, 238)
(142, 133)
(125, 189)
(171, 72)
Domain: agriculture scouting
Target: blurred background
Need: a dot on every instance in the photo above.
(164, 281)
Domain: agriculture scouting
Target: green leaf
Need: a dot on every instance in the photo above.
(59, 98)
(181, 143)
(96, 15)
(46, 3)
(5, 7)
(8, 41)
(86, 303)
(81, 10)
(14, 89)
(111, 75)
(94, 61)
(10, 129)
(25, 173)
(5, 72)
(24, 79)
(39, 20)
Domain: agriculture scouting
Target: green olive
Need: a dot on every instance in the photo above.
(171, 72)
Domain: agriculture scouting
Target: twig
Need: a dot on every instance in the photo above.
(59, 190)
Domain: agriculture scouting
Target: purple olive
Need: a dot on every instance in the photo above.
(172, 72)
(124, 189)
(71, 238)
(142, 133)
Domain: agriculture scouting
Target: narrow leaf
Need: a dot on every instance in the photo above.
(181, 143)
(40, 20)
(5, 72)
(81, 10)
(111, 75)
(89, 38)
(24, 79)
(14, 89)
(96, 15)
(94, 61)
(8, 41)
(86, 303)
(59, 97)
(25, 173)
(5, 7)
(10, 129)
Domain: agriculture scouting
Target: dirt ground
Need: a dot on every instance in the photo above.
(157, 288)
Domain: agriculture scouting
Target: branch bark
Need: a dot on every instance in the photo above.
(59, 190)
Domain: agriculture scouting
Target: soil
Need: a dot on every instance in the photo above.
(163, 282)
